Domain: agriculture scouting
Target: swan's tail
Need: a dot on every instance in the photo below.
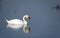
(6, 20)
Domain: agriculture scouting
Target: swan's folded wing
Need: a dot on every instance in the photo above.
(15, 21)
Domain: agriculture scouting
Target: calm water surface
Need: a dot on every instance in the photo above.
(44, 23)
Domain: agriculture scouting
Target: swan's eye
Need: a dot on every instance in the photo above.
(25, 18)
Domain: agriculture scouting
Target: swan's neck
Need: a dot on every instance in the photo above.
(24, 21)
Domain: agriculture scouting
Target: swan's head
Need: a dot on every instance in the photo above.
(26, 17)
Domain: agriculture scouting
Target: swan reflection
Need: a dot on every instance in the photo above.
(26, 29)
(14, 26)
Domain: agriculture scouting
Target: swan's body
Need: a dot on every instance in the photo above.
(17, 23)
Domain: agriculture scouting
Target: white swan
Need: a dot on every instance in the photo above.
(18, 21)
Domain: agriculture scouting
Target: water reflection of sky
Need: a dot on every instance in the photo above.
(45, 21)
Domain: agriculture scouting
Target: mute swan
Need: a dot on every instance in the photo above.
(18, 21)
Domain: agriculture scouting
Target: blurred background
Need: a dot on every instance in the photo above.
(44, 23)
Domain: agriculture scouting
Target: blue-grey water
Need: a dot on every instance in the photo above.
(44, 23)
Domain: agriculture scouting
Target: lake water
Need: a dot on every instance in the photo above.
(44, 23)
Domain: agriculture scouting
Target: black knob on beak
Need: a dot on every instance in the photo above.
(28, 17)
